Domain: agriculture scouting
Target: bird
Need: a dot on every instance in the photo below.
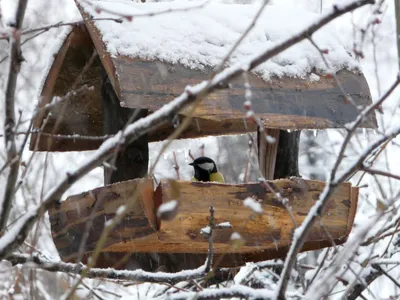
(205, 170)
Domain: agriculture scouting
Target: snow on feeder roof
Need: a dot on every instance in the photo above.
(150, 61)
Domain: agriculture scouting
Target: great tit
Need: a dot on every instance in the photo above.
(205, 169)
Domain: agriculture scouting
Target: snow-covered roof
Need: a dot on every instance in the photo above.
(201, 37)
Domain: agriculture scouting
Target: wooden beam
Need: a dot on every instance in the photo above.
(68, 223)
(267, 141)
(266, 236)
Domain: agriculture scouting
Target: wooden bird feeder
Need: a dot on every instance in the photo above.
(282, 104)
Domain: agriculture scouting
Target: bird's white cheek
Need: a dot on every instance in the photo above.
(206, 166)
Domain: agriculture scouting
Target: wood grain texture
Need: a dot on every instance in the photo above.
(152, 84)
(267, 151)
(281, 103)
(266, 236)
(69, 221)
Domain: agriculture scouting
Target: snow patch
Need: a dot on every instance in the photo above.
(253, 205)
(169, 206)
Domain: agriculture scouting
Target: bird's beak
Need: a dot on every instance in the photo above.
(191, 164)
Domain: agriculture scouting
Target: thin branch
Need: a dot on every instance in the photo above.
(176, 166)
(380, 269)
(9, 124)
(234, 291)
(210, 254)
(46, 28)
(38, 261)
(129, 17)
(379, 172)
(301, 233)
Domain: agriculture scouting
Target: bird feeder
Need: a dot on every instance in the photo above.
(281, 102)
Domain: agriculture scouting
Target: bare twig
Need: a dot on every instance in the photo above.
(331, 186)
(210, 254)
(9, 125)
(129, 17)
(379, 172)
(37, 261)
(176, 166)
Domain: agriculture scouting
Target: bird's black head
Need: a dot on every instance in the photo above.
(203, 166)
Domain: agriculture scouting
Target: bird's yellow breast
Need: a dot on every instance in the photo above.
(215, 177)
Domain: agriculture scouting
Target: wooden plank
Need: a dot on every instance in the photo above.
(68, 222)
(273, 229)
(82, 113)
(267, 151)
(266, 236)
(153, 84)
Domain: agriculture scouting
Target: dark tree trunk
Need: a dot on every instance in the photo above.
(287, 160)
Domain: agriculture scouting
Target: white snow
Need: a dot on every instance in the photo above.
(270, 139)
(200, 38)
(314, 77)
(205, 230)
(224, 225)
(167, 207)
(120, 210)
(253, 205)
(236, 236)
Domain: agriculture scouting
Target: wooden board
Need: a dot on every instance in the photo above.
(266, 236)
(284, 103)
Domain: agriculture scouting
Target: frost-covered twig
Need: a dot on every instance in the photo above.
(301, 232)
(46, 28)
(38, 261)
(155, 120)
(234, 291)
(324, 283)
(9, 124)
(130, 17)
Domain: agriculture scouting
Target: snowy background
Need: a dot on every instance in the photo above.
(318, 149)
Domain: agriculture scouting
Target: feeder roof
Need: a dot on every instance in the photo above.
(150, 61)
(200, 37)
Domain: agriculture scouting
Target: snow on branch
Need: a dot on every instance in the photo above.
(237, 290)
(38, 261)
(301, 232)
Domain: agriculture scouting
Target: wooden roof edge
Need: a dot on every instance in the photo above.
(100, 47)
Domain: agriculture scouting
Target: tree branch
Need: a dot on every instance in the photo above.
(301, 233)
(9, 124)
(38, 261)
